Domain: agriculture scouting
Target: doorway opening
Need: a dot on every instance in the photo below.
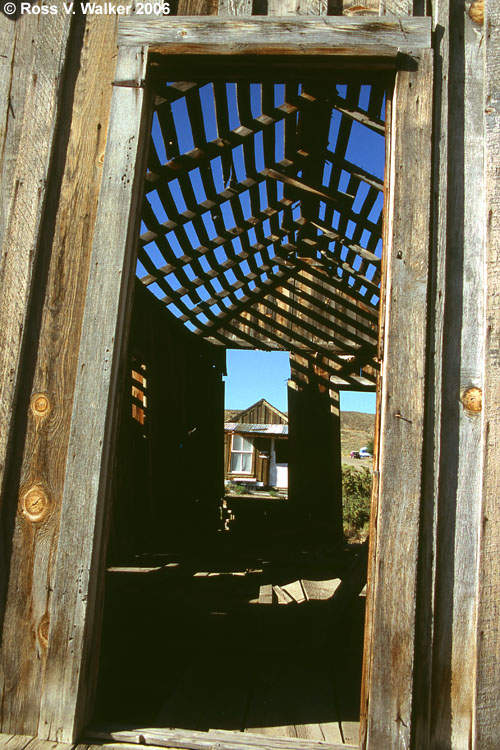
(261, 227)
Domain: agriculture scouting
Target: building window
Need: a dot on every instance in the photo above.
(241, 455)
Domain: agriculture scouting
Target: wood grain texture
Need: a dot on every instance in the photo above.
(396, 7)
(372, 534)
(393, 577)
(488, 664)
(361, 7)
(235, 7)
(197, 8)
(73, 609)
(460, 462)
(307, 35)
(27, 143)
(297, 7)
(223, 740)
(47, 433)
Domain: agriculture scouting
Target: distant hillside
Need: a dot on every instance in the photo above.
(230, 415)
(356, 430)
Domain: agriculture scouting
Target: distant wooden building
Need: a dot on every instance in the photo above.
(256, 447)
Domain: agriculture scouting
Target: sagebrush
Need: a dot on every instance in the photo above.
(356, 494)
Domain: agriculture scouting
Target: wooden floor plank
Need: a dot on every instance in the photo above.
(14, 741)
(193, 740)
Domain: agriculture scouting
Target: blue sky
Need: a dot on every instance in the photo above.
(253, 375)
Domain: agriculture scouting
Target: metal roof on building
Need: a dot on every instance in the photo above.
(257, 429)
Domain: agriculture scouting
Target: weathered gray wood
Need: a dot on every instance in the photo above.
(72, 611)
(47, 431)
(27, 140)
(223, 740)
(197, 8)
(297, 7)
(263, 35)
(14, 741)
(396, 7)
(235, 7)
(393, 579)
(461, 242)
(487, 719)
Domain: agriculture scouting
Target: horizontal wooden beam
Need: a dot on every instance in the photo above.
(220, 738)
(309, 35)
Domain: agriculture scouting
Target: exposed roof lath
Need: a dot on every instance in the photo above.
(259, 230)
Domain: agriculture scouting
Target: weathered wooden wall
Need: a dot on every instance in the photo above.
(167, 481)
(55, 134)
(55, 79)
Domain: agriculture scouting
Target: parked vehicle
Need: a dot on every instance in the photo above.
(362, 453)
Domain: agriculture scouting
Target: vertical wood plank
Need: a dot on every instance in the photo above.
(396, 7)
(198, 8)
(461, 226)
(297, 7)
(72, 612)
(371, 565)
(235, 7)
(25, 174)
(55, 373)
(487, 720)
(402, 422)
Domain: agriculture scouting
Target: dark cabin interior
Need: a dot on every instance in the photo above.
(262, 232)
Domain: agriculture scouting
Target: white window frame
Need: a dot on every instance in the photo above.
(241, 453)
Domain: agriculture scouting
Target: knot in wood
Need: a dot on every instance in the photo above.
(35, 504)
(43, 631)
(40, 405)
(360, 10)
(476, 11)
(472, 400)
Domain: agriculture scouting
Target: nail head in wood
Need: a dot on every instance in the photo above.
(472, 400)
(35, 504)
(40, 405)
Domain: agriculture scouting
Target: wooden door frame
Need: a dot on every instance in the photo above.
(401, 44)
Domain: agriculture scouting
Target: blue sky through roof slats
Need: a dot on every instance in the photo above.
(365, 149)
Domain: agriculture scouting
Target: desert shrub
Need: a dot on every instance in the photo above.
(356, 493)
(236, 489)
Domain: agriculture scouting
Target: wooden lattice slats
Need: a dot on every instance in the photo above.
(251, 297)
(345, 373)
(230, 195)
(343, 136)
(167, 128)
(175, 295)
(339, 284)
(334, 310)
(376, 101)
(356, 171)
(248, 283)
(221, 109)
(323, 315)
(212, 149)
(356, 313)
(301, 318)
